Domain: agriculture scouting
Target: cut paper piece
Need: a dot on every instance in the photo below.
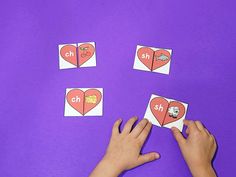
(83, 102)
(145, 55)
(75, 98)
(152, 59)
(158, 108)
(165, 112)
(77, 55)
(68, 53)
(161, 58)
(86, 54)
(67, 56)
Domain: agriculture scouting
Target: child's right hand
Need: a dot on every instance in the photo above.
(198, 148)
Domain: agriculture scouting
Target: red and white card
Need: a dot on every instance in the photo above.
(77, 55)
(84, 102)
(165, 112)
(152, 59)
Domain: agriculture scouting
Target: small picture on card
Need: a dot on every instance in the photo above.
(152, 59)
(83, 102)
(165, 112)
(77, 55)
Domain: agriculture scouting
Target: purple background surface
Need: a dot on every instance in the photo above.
(35, 138)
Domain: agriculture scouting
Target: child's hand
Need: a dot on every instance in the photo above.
(123, 152)
(124, 148)
(198, 148)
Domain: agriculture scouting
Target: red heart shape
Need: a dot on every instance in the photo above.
(75, 98)
(83, 102)
(92, 99)
(170, 118)
(68, 53)
(161, 58)
(159, 108)
(145, 55)
(86, 51)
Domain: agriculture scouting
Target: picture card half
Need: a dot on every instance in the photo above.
(165, 112)
(152, 59)
(83, 102)
(77, 55)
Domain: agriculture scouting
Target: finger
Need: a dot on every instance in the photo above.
(178, 136)
(207, 131)
(148, 157)
(144, 134)
(139, 128)
(115, 129)
(199, 125)
(128, 125)
(191, 125)
(215, 143)
(213, 138)
(187, 131)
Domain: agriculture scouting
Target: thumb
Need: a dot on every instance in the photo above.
(178, 136)
(148, 157)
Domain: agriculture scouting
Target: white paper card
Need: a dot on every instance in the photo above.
(165, 112)
(84, 102)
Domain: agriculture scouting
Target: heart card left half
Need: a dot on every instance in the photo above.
(165, 112)
(83, 102)
(77, 55)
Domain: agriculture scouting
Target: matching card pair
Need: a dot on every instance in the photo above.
(77, 55)
(83, 102)
(152, 59)
(165, 112)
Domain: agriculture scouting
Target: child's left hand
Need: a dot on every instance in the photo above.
(123, 152)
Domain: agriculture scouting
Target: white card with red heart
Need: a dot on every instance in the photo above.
(77, 55)
(84, 102)
(165, 112)
(152, 59)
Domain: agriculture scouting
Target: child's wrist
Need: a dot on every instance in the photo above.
(112, 168)
(205, 170)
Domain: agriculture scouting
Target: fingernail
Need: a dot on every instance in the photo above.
(157, 155)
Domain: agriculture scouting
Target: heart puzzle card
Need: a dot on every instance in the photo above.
(152, 59)
(83, 102)
(165, 112)
(77, 55)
